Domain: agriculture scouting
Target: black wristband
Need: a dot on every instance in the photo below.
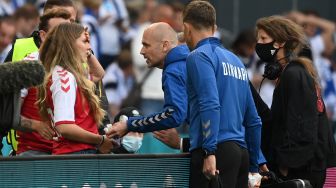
(185, 145)
(207, 153)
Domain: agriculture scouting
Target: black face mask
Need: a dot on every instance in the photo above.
(266, 52)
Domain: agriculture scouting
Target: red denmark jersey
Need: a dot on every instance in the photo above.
(66, 105)
(31, 140)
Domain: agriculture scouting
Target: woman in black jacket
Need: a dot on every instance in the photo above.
(299, 141)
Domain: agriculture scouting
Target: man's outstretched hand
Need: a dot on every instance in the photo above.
(118, 129)
(170, 137)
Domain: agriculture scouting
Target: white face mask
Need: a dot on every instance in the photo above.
(131, 143)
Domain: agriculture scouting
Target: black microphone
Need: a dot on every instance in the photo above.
(18, 75)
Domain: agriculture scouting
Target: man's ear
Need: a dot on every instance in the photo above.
(165, 46)
(214, 29)
(188, 28)
(43, 35)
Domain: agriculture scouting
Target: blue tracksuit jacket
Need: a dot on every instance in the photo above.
(175, 95)
(220, 100)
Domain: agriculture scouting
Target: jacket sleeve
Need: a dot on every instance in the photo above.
(202, 78)
(175, 108)
(266, 118)
(252, 125)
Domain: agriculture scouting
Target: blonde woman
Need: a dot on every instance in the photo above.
(67, 95)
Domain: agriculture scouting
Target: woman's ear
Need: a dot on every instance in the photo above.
(42, 35)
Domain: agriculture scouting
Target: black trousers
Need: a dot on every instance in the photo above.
(232, 161)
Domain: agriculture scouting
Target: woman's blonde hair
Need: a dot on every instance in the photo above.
(59, 48)
(283, 30)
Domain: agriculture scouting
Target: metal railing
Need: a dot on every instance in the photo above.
(102, 171)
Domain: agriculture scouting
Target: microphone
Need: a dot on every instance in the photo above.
(18, 75)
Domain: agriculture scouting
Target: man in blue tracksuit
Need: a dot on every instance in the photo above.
(161, 50)
(222, 110)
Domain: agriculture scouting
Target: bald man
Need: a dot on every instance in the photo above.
(161, 50)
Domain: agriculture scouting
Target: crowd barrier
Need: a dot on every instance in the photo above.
(91, 171)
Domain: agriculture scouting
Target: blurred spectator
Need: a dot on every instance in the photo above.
(8, 7)
(79, 7)
(26, 19)
(65, 4)
(163, 13)
(243, 47)
(134, 19)
(118, 81)
(114, 23)
(90, 20)
(177, 7)
(39, 4)
(7, 35)
(35, 36)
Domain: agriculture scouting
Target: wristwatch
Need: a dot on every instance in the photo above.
(207, 153)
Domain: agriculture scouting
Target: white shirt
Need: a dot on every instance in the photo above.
(115, 76)
(109, 33)
(8, 8)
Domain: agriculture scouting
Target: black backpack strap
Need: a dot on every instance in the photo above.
(16, 110)
(6, 113)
